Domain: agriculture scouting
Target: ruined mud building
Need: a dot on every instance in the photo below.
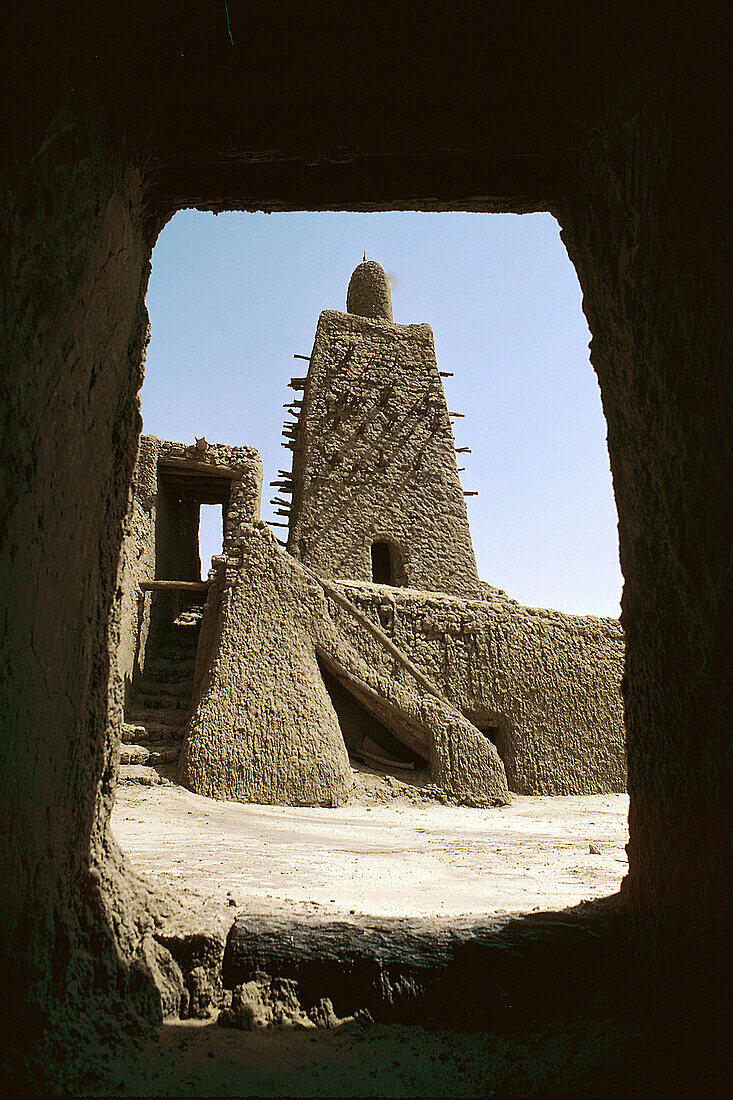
(370, 635)
(612, 117)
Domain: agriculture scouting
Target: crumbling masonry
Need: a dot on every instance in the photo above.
(371, 635)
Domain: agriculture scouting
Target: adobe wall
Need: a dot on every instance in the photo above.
(551, 682)
(263, 729)
(374, 458)
(643, 232)
(75, 269)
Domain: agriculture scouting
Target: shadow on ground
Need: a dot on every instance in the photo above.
(527, 1006)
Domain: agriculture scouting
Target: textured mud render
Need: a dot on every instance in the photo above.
(374, 455)
(374, 459)
(264, 729)
(369, 293)
(611, 119)
(547, 684)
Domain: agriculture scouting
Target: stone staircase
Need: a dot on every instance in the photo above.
(160, 704)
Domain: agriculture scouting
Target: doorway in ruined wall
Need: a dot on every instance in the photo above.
(183, 544)
(525, 443)
(171, 610)
(190, 510)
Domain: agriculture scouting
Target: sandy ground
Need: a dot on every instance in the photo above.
(396, 859)
(390, 853)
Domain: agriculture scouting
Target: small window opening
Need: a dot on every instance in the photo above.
(490, 732)
(497, 729)
(385, 563)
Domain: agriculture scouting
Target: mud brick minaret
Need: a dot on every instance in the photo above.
(376, 494)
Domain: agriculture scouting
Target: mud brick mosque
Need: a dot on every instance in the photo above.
(614, 119)
(366, 633)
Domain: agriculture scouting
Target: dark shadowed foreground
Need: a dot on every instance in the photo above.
(192, 1059)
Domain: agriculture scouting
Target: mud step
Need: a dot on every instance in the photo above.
(157, 700)
(186, 626)
(185, 636)
(154, 752)
(137, 734)
(146, 776)
(152, 716)
(170, 671)
(186, 633)
(180, 650)
(163, 688)
(465, 974)
(178, 661)
(191, 617)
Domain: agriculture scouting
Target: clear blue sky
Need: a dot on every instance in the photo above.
(232, 297)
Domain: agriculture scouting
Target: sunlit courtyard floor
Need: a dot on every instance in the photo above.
(383, 856)
(388, 860)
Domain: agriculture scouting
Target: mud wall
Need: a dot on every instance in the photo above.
(643, 235)
(549, 683)
(137, 563)
(264, 728)
(75, 269)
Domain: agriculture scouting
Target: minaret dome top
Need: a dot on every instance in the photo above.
(369, 293)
